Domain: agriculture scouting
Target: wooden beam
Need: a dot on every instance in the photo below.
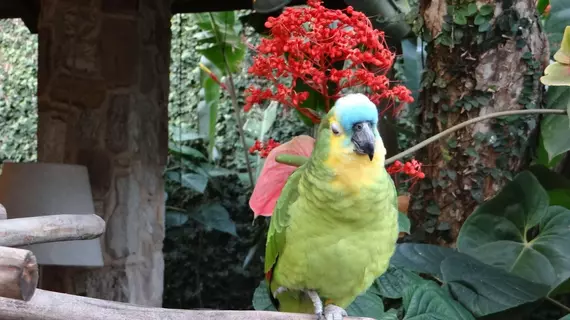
(47, 305)
(61, 227)
(18, 273)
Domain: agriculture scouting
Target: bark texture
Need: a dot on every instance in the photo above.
(479, 72)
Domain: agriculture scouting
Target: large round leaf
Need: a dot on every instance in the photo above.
(481, 288)
(393, 282)
(556, 185)
(497, 233)
(429, 301)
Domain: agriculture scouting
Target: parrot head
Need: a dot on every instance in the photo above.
(351, 128)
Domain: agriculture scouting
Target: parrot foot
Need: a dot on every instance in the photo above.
(317, 303)
(279, 290)
(333, 312)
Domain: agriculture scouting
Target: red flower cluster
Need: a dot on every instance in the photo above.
(263, 148)
(412, 168)
(309, 44)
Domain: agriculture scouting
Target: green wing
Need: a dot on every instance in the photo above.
(280, 220)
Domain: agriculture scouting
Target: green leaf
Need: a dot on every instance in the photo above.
(185, 151)
(367, 305)
(566, 317)
(412, 67)
(403, 223)
(556, 74)
(472, 282)
(486, 10)
(497, 233)
(269, 116)
(391, 314)
(471, 8)
(433, 209)
(459, 19)
(315, 101)
(194, 181)
(444, 39)
(221, 41)
(541, 5)
(556, 128)
(542, 156)
(563, 54)
(557, 187)
(208, 109)
(556, 22)
(484, 289)
(422, 258)
(393, 282)
(252, 127)
(215, 216)
(480, 19)
(179, 135)
(429, 301)
(484, 27)
(175, 218)
(261, 299)
(218, 172)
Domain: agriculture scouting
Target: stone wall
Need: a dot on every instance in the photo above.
(102, 95)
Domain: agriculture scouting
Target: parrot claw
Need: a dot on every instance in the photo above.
(333, 312)
(317, 303)
(279, 290)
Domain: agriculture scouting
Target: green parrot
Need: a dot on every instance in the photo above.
(335, 224)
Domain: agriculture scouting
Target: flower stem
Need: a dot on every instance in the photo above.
(233, 96)
(284, 158)
(469, 122)
(558, 304)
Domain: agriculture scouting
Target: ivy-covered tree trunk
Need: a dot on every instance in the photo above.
(483, 57)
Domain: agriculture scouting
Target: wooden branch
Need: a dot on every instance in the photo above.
(18, 273)
(47, 305)
(41, 229)
(3, 214)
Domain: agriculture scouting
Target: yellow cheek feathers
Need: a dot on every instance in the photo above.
(353, 170)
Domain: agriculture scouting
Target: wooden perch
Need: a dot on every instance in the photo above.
(18, 273)
(60, 227)
(47, 305)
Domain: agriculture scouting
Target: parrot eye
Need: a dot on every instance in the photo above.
(335, 129)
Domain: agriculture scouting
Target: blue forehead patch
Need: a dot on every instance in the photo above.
(353, 108)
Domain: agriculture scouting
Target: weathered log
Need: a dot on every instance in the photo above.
(47, 305)
(18, 273)
(52, 228)
(3, 214)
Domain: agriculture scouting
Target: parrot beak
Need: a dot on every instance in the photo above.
(363, 139)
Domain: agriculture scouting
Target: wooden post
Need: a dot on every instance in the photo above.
(18, 273)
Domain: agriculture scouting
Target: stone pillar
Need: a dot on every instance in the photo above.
(103, 94)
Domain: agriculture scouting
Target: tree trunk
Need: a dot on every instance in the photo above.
(478, 63)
